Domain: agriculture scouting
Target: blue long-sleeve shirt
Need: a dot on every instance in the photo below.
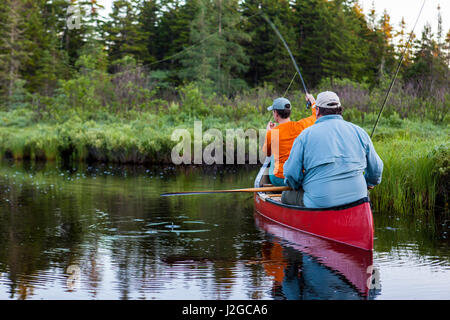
(339, 162)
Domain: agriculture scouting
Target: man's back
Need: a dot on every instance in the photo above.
(281, 143)
(334, 154)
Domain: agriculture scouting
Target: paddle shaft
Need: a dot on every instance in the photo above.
(262, 189)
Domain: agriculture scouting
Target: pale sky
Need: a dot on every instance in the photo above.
(409, 9)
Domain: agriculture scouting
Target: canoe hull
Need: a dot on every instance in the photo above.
(352, 263)
(352, 225)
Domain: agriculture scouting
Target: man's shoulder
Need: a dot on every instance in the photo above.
(356, 127)
(324, 126)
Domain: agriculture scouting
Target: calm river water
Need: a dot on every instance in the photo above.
(104, 232)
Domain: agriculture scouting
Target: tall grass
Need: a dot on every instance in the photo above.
(410, 182)
(415, 150)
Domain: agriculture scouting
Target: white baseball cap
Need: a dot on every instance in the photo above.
(328, 99)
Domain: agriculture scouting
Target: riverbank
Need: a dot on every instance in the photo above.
(415, 154)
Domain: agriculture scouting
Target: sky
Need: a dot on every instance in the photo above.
(409, 9)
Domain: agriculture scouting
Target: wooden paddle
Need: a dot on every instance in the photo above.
(263, 189)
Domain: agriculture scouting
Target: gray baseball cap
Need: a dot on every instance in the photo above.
(328, 99)
(279, 104)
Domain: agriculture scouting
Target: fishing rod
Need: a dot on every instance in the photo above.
(308, 104)
(397, 70)
(262, 189)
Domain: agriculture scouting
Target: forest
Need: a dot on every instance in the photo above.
(148, 49)
(77, 85)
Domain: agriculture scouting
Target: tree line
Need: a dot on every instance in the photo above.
(222, 46)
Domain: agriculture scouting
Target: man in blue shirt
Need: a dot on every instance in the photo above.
(334, 161)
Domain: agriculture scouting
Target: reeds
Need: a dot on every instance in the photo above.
(416, 157)
(415, 151)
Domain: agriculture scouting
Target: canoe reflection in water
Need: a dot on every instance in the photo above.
(308, 267)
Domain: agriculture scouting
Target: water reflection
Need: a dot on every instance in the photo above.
(103, 232)
(307, 267)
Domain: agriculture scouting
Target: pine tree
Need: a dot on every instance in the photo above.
(447, 49)
(49, 62)
(259, 31)
(346, 55)
(13, 45)
(216, 57)
(74, 37)
(200, 60)
(232, 60)
(278, 62)
(148, 26)
(402, 42)
(313, 31)
(377, 34)
(123, 35)
(269, 60)
(429, 69)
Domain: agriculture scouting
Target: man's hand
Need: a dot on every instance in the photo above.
(310, 98)
(270, 126)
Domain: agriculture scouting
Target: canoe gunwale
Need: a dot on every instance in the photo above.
(301, 208)
(337, 208)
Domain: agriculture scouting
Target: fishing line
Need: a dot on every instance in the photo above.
(396, 72)
(260, 12)
(308, 104)
(284, 95)
(201, 41)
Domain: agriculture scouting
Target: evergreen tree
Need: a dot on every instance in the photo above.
(381, 53)
(200, 60)
(313, 30)
(216, 57)
(402, 42)
(387, 58)
(123, 33)
(278, 62)
(75, 35)
(13, 45)
(269, 60)
(232, 60)
(174, 27)
(428, 70)
(49, 60)
(447, 49)
(346, 54)
(148, 26)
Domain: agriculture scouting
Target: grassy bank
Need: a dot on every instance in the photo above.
(416, 172)
(414, 145)
(415, 154)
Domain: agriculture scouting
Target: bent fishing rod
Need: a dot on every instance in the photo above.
(396, 71)
(265, 17)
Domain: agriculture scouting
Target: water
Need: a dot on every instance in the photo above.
(104, 232)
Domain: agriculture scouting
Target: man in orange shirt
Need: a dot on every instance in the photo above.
(278, 143)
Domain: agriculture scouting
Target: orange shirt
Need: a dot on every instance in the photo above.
(274, 261)
(287, 132)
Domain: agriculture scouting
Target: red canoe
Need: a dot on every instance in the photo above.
(354, 264)
(351, 224)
